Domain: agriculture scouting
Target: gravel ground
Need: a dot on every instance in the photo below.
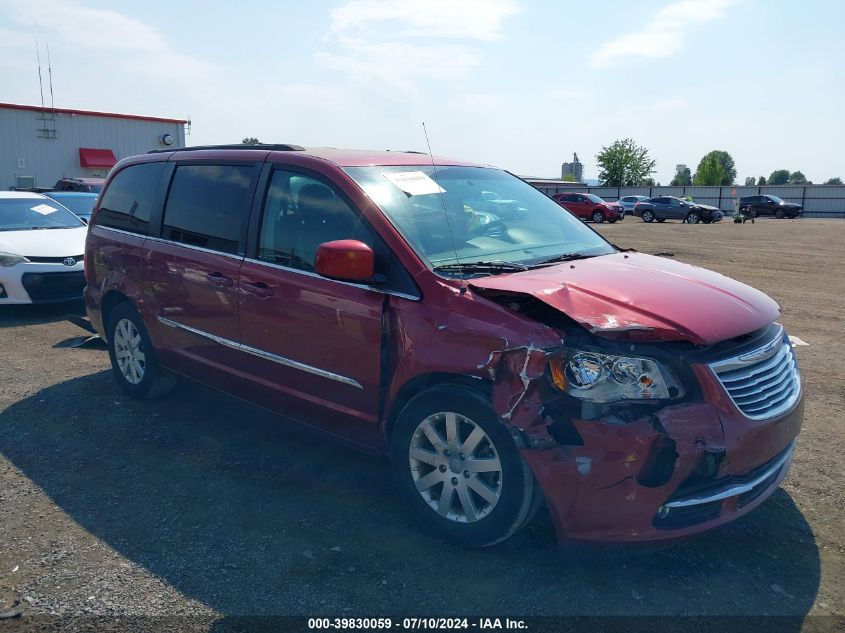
(200, 505)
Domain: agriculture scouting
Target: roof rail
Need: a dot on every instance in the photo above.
(270, 147)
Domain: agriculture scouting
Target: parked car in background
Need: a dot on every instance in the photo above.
(41, 247)
(80, 203)
(498, 364)
(664, 208)
(94, 185)
(588, 206)
(769, 205)
(629, 202)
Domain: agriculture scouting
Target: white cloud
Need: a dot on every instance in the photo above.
(392, 45)
(125, 42)
(389, 67)
(664, 35)
(459, 19)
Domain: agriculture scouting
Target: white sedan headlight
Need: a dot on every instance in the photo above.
(10, 259)
(607, 378)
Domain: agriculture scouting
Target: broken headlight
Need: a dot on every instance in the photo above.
(605, 378)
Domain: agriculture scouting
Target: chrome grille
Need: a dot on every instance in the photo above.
(762, 383)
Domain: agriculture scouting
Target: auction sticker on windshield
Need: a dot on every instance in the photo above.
(44, 209)
(414, 183)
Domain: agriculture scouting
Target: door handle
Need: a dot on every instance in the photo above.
(259, 289)
(219, 279)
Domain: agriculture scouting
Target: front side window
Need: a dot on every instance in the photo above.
(207, 206)
(128, 202)
(594, 198)
(24, 214)
(300, 213)
(446, 218)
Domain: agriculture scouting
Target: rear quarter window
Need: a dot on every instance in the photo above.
(127, 204)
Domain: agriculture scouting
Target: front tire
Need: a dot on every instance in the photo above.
(459, 470)
(648, 216)
(597, 217)
(779, 214)
(693, 217)
(133, 358)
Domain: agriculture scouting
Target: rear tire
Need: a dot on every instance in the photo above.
(597, 217)
(648, 216)
(133, 358)
(458, 469)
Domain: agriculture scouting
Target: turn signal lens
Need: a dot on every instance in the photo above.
(558, 373)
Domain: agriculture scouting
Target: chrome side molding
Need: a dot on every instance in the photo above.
(281, 360)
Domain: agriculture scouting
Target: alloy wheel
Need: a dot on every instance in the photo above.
(129, 351)
(455, 467)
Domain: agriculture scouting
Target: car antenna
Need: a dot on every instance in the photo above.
(445, 214)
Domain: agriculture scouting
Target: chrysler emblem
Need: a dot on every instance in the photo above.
(69, 261)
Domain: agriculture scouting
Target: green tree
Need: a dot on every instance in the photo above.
(779, 177)
(833, 181)
(569, 178)
(682, 178)
(797, 178)
(761, 180)
(649, 182)
(726, 162)
(251, 140)
(750, 181)
(709, 172)
(624, 164)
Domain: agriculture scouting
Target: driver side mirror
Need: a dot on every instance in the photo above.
(345, 260)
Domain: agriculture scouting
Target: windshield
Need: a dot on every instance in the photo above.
(520, 226)
(21, 214)
(80, 205)
(594, 198)
(775, 199)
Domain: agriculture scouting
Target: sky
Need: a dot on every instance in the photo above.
(520, 84)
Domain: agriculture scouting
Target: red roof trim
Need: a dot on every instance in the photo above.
(113, 115)
(94, 158)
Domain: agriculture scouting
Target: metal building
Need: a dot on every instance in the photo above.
(38, 146)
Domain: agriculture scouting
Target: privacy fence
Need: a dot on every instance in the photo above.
(819, 201)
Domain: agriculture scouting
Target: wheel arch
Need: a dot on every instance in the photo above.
(424, 382)
(110, 301)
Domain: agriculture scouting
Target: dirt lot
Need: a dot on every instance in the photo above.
(201, 505)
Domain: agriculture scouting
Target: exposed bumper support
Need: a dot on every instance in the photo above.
(735, 490)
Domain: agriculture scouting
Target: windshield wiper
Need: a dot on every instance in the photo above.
(494, 266)
(565, 257)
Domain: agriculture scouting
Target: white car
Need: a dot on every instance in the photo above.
(41, 248)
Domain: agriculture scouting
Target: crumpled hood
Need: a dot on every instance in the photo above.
(44, 243)
(643, 297)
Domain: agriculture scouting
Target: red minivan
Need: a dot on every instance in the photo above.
(501, 352)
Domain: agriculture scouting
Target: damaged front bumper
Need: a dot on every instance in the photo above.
(664, 474)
